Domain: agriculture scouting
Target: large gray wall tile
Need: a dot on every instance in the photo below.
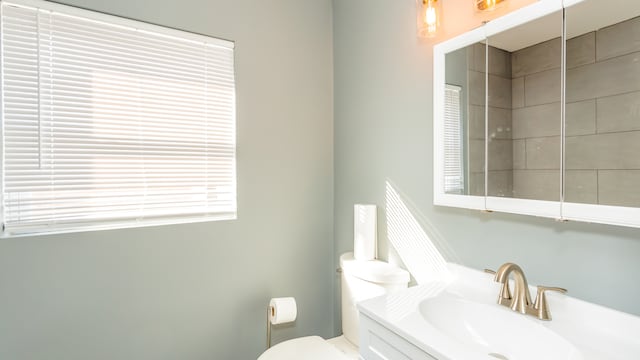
(517, 93)
(581, 50)
(476, 127)
(476, 183)
(581, 83)
(603, 151)
(619, 39)
(500, 126)
(477, 58)
(580, 118)
(536, 121)
(536, 184)
(500, 183)
(519, 154)
(499, 92)
(619, 113)
(611, 77)
(619, 187)
(499, 62)
(476, 156)
(581, 152)
(542, 88)
(581, 186)
(476, 88)
(537, 58)
(455, 70)
(543, 153)
(499, 123)
(500, 154)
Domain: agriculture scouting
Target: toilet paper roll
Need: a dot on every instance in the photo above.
(282, 310)
(365, 234)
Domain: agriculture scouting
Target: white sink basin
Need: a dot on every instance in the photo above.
(459, 319)
(495, 331)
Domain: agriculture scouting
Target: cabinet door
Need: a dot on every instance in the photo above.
(602, 143)
(459, 135)
(379, 343)
(464, 120)
(524, 123)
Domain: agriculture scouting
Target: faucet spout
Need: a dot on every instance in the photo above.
(520, 300)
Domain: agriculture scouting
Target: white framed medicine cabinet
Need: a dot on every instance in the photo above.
(538, 113)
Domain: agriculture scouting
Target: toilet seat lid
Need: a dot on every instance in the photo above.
(308, 348)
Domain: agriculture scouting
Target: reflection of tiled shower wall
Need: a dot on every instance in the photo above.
(602, 118)
(500, 144)
(536, 121)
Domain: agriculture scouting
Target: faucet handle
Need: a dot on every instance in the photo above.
(542, 288)
(541, 301)
(489, 271)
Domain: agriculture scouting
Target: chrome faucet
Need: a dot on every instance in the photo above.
(520, 299)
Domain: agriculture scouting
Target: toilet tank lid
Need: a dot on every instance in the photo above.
(376, 271)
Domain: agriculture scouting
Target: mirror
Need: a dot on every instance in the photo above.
(464, 134)
(524, 110)
(602, 149)
(527, 130)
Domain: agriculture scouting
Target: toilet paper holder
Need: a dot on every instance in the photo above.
(269, 315)
(280, 311)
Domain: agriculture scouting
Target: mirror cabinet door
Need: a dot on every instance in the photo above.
(464, 122)
(602, 143)
(524, 115)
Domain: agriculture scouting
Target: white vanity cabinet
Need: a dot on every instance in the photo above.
(379, 343)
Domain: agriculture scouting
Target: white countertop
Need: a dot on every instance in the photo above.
(596, 332)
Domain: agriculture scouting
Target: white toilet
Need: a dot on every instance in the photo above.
(360, 280)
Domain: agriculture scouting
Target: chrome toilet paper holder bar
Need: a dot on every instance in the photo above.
(270, 311)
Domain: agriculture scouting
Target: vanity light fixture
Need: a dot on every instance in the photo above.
(486, 5)
(429, 17)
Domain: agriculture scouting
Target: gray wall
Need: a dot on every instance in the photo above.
(383, 131)
(200, 291)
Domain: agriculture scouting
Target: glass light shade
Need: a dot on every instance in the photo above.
(429, 16)
(486, 5)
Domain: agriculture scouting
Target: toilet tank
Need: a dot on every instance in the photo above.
(361, 280)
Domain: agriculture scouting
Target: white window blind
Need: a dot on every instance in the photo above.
(453, 158)
(109, 122)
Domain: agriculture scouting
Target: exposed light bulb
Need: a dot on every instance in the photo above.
(431, 19)
(428, 17)
(485, 5)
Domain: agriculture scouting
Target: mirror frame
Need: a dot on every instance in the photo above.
(560, 210)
